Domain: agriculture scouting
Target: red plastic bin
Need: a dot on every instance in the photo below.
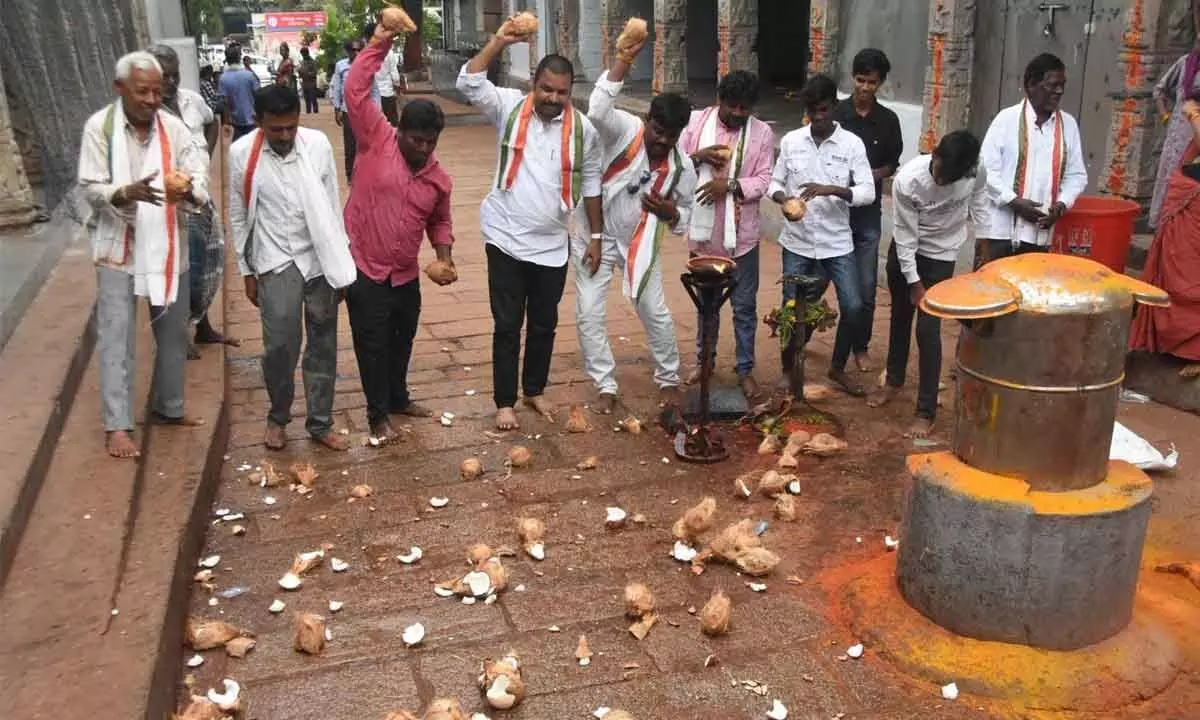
(1098, 227)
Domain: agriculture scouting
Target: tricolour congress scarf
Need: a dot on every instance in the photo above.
(704, 217)
(1058, 162)
(512, 151)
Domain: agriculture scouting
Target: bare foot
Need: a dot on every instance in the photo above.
(1189, 570)
(883, 396)
(208, 335)
(605, 404)
(333, 441)
(1189, 371)
(385, 433)
(920, 429)
(542, 406)
(847, 384)
(120, 445)
(693, 376)
(668, 397)
(506, 419)
(414, 410)
(863, 361)
(183, 421)
(749, 387)
(276, 437)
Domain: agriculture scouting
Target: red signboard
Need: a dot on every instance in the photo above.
(294, 21)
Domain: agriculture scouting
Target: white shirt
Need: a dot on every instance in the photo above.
(388, 76)
(528, 222)
(999, 157)
(196, 114)
(280, 232)
(930, 219)
(841, 160)
(617, 129)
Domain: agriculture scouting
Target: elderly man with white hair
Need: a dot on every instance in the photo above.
(141, 172)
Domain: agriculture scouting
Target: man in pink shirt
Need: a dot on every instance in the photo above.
(400, 194)
(732, 152)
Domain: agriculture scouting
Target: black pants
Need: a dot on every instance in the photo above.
(522, 293)
(351, 146)
(383, 322)
(391, 109)
(987, 250)
(310, 100)
(929, 331)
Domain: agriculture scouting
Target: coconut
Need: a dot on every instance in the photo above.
(395, 20)
(306, 561)
(209, 634)
(577, 421)
(522, 24)
(238, 647)
(785, 508)
(714, 616)
(773, 484)
(591, 462)
(825, 445)
(200, 708)
(794, 209)
(742, 485)
(799, 438)
(735, 539)
(230, 699)
(723, 153)
(636, 31)
(816, 393)
(474, 584)
(756, 561)
(413, 634)
(471, 469)
(304, 473)
(500, 680)
(445, 709)
(478, 554)
(519, 456)
(788, 459)
(441, 272)
(361, 491)
(639, 601)
(632, 425)
(176, 185)
(309, 633)
(770, 444)
(696, 521)
(583, 653)
(533, 535)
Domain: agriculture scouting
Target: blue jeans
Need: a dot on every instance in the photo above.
(843, 270)
(744, 302)
(866, 224)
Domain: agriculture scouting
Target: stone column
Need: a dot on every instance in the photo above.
(737, 29)
(1156, 34)
(414, 44)
(822, 37)
(670, 53)
(566, 29)
(947, 97)
(16, 198)
(613, 14)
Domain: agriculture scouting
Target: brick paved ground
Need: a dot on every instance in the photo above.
(787, 637)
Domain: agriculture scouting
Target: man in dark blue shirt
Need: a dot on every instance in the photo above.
(238, 86)
(879, 129)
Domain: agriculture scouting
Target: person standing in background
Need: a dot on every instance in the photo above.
(1170, 94)
(208, 90)
(308, 81)
(238, 85)
(879, 129)
(248, 64)
(336, 98)
(285, 74)
(387, 82)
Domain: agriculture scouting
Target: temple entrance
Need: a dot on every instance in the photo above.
(782, 44)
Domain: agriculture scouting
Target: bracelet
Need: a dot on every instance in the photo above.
(597, 236)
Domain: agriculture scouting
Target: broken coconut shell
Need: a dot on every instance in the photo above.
(520, 456)
(238, 647)
(577, 421)
(639, 601)
(743, 484)
(696, 521)
(267, 476)
(496, 573)
(445, 709)
(591, 462)
(756, 561)
(825, 445)
(304, 473)
(636, 31)
(785, 508)
(305, 561)
(501, 683)
(734, 540)
(583, 653)
(201, 708)
(714, 616)
(309, 634)
(478, 554)
(210, 634)
(799, 438)
(642, 627)
(632, 425)
(532, 532)
(770, 444)
(471, 469)
(772, 483)
(396, 20)
(361, 491)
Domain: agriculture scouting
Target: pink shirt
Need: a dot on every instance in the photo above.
(754, 180)
(390, 208)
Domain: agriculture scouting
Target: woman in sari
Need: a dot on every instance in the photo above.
(1172, 90)
(1173, 262)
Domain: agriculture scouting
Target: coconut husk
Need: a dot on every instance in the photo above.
(696, 521)
(520, 456)
(210, 634)
(501, 682)
(788, 459)
(733, 540)
(576, 421)
(639, 601)
(770, 444)
(794, 209)
(396, 20)
(632, 425)
(756, 561)
(785, 508)
(799, 438)
(201, 708)
(304, 473)
(401, 715)
(176, 185)
(361, 491)
(532, 533)
(773, 484)
(636, 31)
(445, 709)
(714, 616)
(825, 445)
(495, 570)
(522, 24)
(478, 554)
(238, 647)
(309, 634)
(268, 476)
(642, 627)
(471, 469)
(303, 562)
(441, 272)
(582, 651)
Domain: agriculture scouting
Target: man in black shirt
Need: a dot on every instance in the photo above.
(879, 129)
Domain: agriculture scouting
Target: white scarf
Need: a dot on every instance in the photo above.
(321, 215)
(154, 233)
(704, 217)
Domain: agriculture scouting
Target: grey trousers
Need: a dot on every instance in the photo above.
(286, 301)
(116, 313)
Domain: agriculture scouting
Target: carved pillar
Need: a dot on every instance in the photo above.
(947, 98)
(613, 14)
(566, 27)
(822, 37)
(737, 28)
(16, 198)
(670, 53)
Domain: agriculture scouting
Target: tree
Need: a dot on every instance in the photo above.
(205, 16)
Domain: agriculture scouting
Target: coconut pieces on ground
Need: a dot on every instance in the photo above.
(631, 425)
(639, 601)
(816, 392)
(413, 634)
(359, 492)
(714, 616)
(785, 508)
(576, 421)
(641, 628)
(825, 445)
(445, 709)
(788, 459)
(309, 633)
(201, 708)
(395, 20)
(522, 24)
(478, 554)
(696, 521)
(583, 653)
(441, 272)
(734, 540)
(211, 634)
(798, 439)
(519, 456)
(756, 561)
(773, 483)
(266, 475)
(742, 486)
(229, 698)
(615, 518)
(239, 646)
(471, 469)
(794, 209)
(771, 444)
(501, 683)
(532, 533)
(496, 573)
(591, 462)
(305, 474)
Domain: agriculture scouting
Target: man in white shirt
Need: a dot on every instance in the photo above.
(1034, 161)
(933, 197)
(137, 231)
(387, 80)
(524, 217)
(826, 166)
(283, 204)
(648, 193)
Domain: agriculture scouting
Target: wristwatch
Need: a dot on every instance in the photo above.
(735, 188)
